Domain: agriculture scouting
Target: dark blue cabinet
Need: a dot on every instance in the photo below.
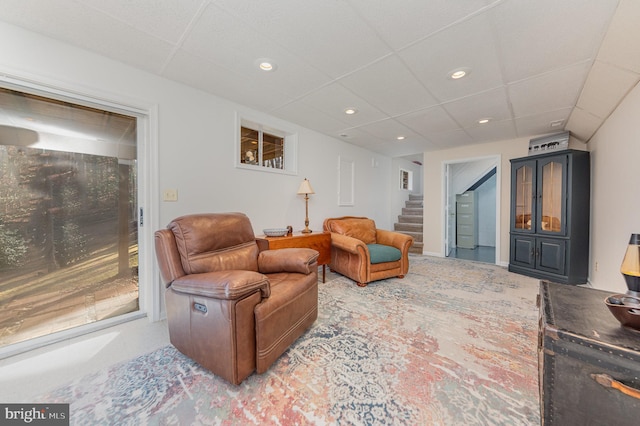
(550, 216)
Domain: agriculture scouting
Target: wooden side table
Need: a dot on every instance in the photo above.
(320, 241)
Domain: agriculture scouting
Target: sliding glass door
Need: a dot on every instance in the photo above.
(68, 215)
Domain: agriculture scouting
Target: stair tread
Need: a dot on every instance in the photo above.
(410, 221)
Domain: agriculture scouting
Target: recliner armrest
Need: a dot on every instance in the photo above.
(402, 242)
(299, 260)
(349, 244)
(227, 285)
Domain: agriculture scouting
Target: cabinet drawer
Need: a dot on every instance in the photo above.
(466, 241)
(465, 229)
(465, 219)
(466, 196)
(464, 208)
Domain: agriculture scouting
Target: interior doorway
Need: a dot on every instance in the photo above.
(478, 227)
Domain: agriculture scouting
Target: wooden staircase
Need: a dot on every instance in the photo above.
(410, 221)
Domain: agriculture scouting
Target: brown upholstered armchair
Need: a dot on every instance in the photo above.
(230, 307)
(364, 253)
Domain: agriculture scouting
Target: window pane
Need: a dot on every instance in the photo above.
(249, 146)
(524, 194)
(272, 151)
(551, 197)
(68, 224)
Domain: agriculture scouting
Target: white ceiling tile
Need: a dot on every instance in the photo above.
(199, 73)
(492, 104)
(531, 96)
(605, 87)
(389, 130)
(327, 34)
(304, 115)
(334, 98)
(452, 139)
(537, 36)
(492, 131)
(541, 123)
(620, 45)
(389, 85)
(429, 122)
(469, 45)
(228, 42)
(405, 148)
(582, 124)
(358, 137)
(165, 19)
(416, 18)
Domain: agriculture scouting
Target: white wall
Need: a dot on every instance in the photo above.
(487, 213)
(193, 137)
(615, 192)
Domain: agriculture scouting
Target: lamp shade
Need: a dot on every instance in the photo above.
(305, 187)
(630, 267)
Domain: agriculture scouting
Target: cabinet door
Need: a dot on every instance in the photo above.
(523, 249)
(552, 193)
(523, 196)
(550, 255)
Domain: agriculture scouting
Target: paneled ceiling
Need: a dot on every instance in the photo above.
(533, 67)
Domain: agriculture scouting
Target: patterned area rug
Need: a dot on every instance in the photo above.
(452, 343)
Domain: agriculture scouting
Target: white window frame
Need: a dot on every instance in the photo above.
(267, 126)
(149, 293)
(409, 174)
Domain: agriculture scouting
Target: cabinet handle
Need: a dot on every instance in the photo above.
(608, 382)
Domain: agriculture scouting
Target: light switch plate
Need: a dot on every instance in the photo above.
(170, 195)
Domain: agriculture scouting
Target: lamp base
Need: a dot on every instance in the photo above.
(306, 231)
(633, 293)
(633, 283)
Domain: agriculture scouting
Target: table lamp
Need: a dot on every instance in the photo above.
(626, 307)
(305, 189)
(630, 267)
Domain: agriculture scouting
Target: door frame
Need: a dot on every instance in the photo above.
(449, 206)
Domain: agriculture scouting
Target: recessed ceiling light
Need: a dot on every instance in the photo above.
(484, 120)
(266, 64)
(458, 73)
(350, 111)
(400, 138)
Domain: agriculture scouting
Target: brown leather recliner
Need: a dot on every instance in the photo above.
(364, 253)
(230, 307)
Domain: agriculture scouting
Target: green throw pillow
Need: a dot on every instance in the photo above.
(380, 253)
